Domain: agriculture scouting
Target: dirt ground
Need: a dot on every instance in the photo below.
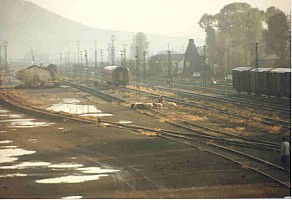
(70, 159)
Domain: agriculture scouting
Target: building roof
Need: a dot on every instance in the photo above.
(36, 66)
(261, 69)
(111, 67)
(281, 70)
(242, 69)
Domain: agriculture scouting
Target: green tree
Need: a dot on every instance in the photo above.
(139, 44)
(277, 36)
(230, 33)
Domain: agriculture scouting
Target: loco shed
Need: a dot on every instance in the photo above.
(116, 75)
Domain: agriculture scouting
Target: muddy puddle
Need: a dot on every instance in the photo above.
(71, 172)
(12, 120)
(72, 106)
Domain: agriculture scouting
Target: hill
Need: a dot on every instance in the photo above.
(25, 25)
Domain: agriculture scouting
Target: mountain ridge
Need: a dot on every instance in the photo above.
(26, 25)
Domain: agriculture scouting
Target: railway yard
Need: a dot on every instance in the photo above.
(82, 141)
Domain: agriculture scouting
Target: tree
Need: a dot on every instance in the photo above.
(140, 44)
(230, 33)
(277, 36)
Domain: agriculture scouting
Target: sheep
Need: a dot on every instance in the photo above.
(170, 103)
(157, 105)
(142, 106)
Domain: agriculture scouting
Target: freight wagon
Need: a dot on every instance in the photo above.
(263, 81)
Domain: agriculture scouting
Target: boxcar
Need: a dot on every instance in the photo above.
(280, 82)
(259, 81)
(116, 75)
(241, 79)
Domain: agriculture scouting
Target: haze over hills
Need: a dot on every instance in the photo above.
(25, 25)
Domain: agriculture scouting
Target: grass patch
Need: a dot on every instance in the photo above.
(275, 129)
(245, 165)
(148, 133)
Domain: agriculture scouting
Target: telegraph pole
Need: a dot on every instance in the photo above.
(95, 56)
(81, 65)
(5, 54)
(69, 63)
(61, 63)
(144, 66)
(137, 72)
(101, 65)
(125, 47)
(169, 68)
(78, 52)
(204, 65)
(86, 67)
(0, 55)
(113, 49)
(257, 54)
(228, 54)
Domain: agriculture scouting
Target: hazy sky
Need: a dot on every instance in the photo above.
(164, 17)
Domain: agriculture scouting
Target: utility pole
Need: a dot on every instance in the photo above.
(257, 54)
(95, 56)
(81, 65)
(78, 53)
(256, 64)
(204, 65)
(101, 65)
(86, 67)
(113, 49)
(137, 72)
(169, 68)
(61, 63)
(228, 54)
(5, 54)
(144, 66)
(125, 47)
(68, 64)
(0, 55)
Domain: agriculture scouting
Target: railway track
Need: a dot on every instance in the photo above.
(194, 138)
(231, 93)
(195, 141)
(266, 120)
(190, 94)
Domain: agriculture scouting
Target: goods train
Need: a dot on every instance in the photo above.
(116, 75)
(263, 81)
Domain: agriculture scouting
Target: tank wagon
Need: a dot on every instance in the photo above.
(116, 75)
(263, 81)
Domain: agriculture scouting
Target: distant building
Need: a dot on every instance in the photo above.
(192, 60)
(162, 59)
(34, 74)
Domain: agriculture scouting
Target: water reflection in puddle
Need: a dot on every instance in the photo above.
(71, 106)
(11, 115)
(24, 165)
(10, 155)
(97, 115)
(125, 122)
(8, 147)
(71, 179)
(72, 197)
(12, 175)
(96, 170)
(5, 141)
(65, 165)
(17, 121)
(4, 111)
